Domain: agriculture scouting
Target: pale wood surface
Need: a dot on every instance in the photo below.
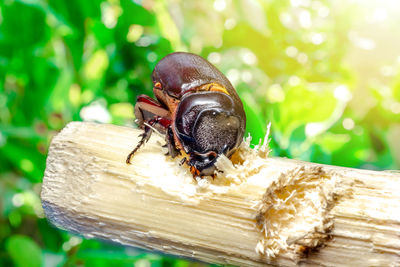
(155, 203)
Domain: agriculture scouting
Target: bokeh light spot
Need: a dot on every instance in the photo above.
(233, 76)
(286, 19)
(275, 93)
(317, 38)
(230, 24)
(18, 200)
(134, 33)
(342, 93)
(96, 65)
(302, 58)
(144, 41)
(219, 5)
(380, 14)
(291, 51)
(361, 42)
(97, 112)
(110, 14)
(294, 80)
(196, 44)
(323, 11)
(143, 263)
(387, 71)
(74, 94)
(348, 124)
(248, 57)
(305, 19)
(72, 242)
(151, 57)
(247, 76)
(124, 110)
(314, 128)
(214, 57)
(395, 107)
(26, 165)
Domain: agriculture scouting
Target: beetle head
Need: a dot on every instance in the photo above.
(209, 124)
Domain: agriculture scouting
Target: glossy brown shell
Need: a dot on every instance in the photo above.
(181, 72)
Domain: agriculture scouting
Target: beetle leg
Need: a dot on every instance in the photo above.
(147, 108)
(145, 137)
(183, 161)
(195, 172)
(148, 130)
(172, 151)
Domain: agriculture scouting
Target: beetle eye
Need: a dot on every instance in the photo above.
(157, 85)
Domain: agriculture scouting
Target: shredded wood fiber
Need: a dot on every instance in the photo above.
(294, 211)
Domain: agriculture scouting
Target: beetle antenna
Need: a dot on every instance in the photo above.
(154, 129)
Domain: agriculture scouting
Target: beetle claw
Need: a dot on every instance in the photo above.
(144, 139)
(173, 152)
(195, 172)
(183, 161)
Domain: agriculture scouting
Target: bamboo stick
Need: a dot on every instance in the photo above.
(257, 211)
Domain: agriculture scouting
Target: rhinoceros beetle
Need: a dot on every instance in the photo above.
(197, 109)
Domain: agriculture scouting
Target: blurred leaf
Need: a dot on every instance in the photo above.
(168, 28)
(103, 35)
(141, 15)
(332, 142)
(19, 132)
(15, 218)
(16, 17)
(352, 153)
(28, 160)
(245, 36)
(302, 106)
(60, 92)
(23, 251)
(319, 155)
(254, 126)
(96, 65)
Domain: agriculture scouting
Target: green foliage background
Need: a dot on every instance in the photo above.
(324, 73)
